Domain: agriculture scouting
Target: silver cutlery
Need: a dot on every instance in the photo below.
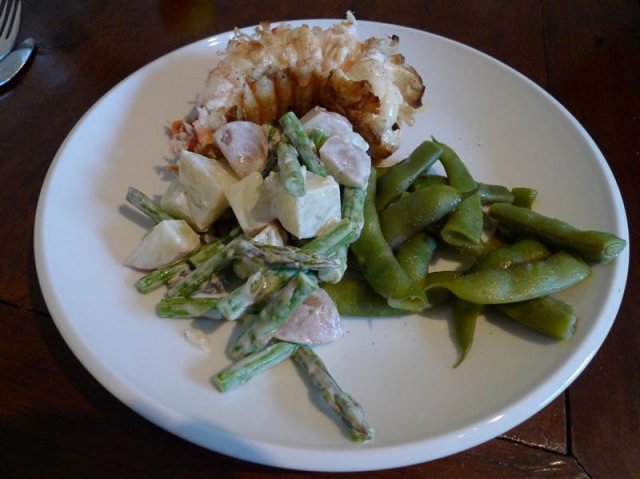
(9, 26)
(14, 61)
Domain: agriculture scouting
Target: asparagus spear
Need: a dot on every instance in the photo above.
(335, 274)
(255, 289)
(156, 278)
(340, 234)
(292, 174)
(318, 137)
(250, 366)
(294, 131)
(352, 210)
(283, 256)
(280, 306)
(190, 283)
(153, 280)
(146, 205)
(186, 307)
(263, 283)
(345, 406)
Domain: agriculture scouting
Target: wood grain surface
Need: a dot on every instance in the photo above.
(57, 421)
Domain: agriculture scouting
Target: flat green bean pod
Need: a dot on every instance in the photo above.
(438, 296)
(523, 196)
(465, 316)
(547, 315)
(377, 262)
(591, 245)
(495, 194)
(416, 211)
(399, 177)
(523, 251)
(354, 297)
(519, 282)
(457, 173)
(465, 313)
(415, 255)
(465, 224)
(423, 181)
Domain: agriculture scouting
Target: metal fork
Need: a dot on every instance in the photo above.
(9, 25)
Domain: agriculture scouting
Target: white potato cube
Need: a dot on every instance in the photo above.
(347, 163)
(305, 216)
(166, 242)
(271, 235)
(197, 195)
(250, 203)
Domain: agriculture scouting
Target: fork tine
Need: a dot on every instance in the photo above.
(15, 26)
(9, 25)
(3, 18)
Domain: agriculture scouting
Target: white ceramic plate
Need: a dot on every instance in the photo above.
(505, 128)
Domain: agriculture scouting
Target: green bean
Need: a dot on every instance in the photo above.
(465, 313)
(465, 316)
(290, 169)
(355, 297)
(524, 197)
(458, 175)
(547, 315)
(523, 251)
(416, 211)
(424, 181)
(474, 251)
(294, 131)
(377, 262)
(399, 177)
(495, 194)
(519, 282)
(591, 245)
(465, 224)
(438, 296)
(253, 364)
(415, 255)
(146, 205)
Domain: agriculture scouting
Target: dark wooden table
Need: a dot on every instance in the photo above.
(57, 421)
